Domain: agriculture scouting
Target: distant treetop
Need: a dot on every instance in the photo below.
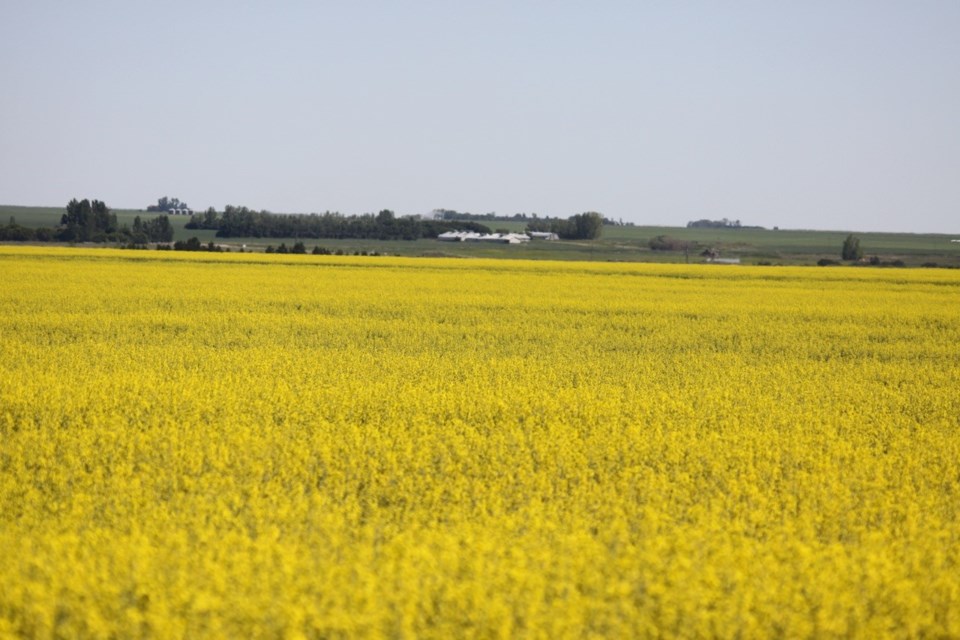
(714, 224)
(165, 204)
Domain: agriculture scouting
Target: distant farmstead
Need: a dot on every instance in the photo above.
(723, 260)
(473, 236)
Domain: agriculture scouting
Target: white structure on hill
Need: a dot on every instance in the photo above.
(473, 236)
(723, 260)
(543, 235)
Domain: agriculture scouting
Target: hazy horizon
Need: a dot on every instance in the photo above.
(832, 116)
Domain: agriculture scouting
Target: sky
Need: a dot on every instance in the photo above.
(811, 114)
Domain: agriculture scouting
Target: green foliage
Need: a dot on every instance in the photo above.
(207, 220)
(716, 224)
(587, 226)
(165, 204)
(460, 216)
(16, 233)
(583, 226)
(44, 234)
(851, 248)
(668, 243)
(241, 222)
(156, 230)
(19, 233)
(87, 221)
(193, 244)
(93, 221)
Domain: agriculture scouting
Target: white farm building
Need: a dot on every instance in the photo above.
(543, 235)
(473, 236)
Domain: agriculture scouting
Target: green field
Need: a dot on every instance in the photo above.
(624, 243)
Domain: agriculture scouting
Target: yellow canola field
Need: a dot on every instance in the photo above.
(207, 446)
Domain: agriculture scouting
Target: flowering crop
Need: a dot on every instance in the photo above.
(307, 447)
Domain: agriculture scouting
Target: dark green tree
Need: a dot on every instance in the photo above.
(158, 229)
(193, 244)
(851, 248)
(85, 221)
(583, 226)
(165, 204)
(587, 226)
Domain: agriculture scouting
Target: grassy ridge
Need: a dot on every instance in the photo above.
(616, 243)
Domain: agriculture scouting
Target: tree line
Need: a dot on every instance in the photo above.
(533, 218)
(451, 214)
(166, 204)
(583, 226)
(241, 222)
(718, 224)
(92, 221)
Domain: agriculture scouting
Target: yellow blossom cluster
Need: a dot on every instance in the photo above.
(222, 445)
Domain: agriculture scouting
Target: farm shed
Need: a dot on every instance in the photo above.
(472, 236)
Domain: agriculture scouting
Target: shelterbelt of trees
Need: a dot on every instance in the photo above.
(241, 222)
(91, 221)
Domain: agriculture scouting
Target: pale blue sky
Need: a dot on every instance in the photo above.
(808, 114)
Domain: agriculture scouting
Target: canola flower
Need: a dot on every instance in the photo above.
(322, 447)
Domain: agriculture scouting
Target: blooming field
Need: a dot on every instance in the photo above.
(299, 446)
